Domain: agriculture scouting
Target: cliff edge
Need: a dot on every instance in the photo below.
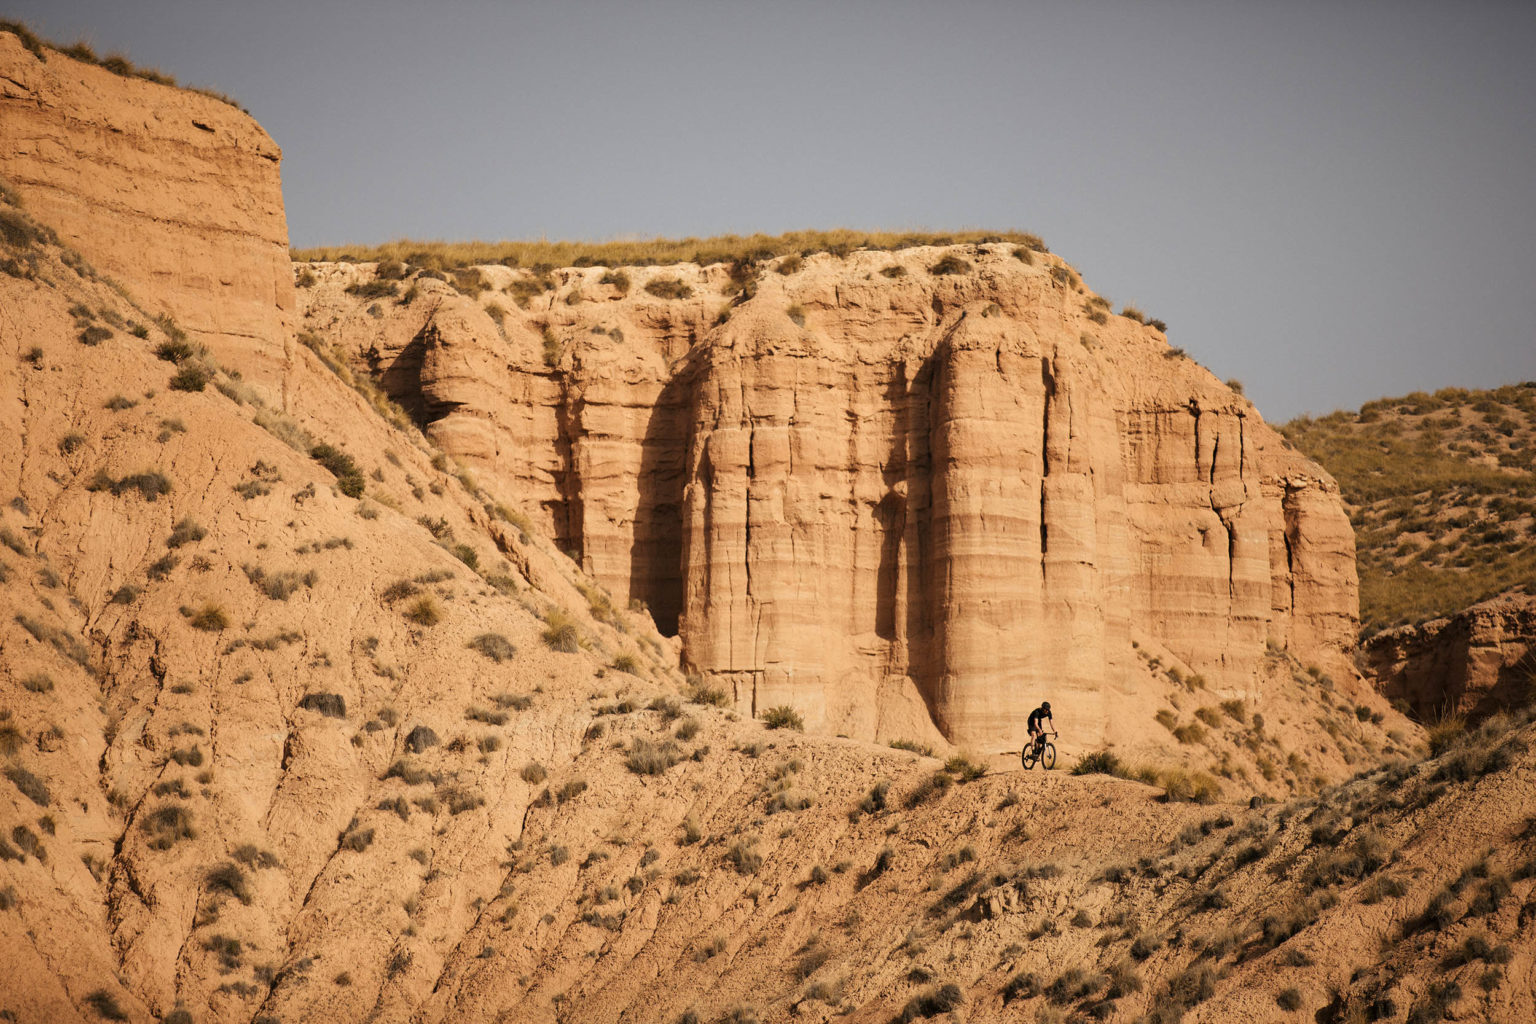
(933, 484)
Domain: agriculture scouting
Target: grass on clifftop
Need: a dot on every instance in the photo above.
(1442, 494)
(113, 62)
(651, 251)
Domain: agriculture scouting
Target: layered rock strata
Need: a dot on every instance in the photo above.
(878, 493)
(109, 162)
(1477, 662)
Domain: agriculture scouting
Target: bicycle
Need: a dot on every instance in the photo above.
(1041, 752)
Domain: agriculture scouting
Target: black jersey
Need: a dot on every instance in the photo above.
(1036, 716)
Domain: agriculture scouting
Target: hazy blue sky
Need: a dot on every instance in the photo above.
(1331, 201)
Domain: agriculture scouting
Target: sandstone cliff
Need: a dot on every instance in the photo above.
(879, 493)
(305, 733)
(111, 162)
(1476, 662)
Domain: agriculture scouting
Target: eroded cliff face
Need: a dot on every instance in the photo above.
(883, 495)
(1477, 662)
(111, 163)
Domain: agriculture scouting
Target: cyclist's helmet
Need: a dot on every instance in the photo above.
(1045, 705)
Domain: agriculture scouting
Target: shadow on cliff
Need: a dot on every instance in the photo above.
(656, 551)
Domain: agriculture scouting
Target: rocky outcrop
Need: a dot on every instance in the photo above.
(884, 495)
(1476, 662)
(110, 162)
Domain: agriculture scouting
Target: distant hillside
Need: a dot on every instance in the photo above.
(1441, 492)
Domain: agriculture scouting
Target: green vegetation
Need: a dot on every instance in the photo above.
(493, 646)
(783, 717)
(230, 878)
(951, 264)
(913, 746)
(210, 618)
(1442, 494)
(653, 252)
(349, 478)
(668, 288)
(425, 611)
(191, 377)
(560, 632)
(649, 758)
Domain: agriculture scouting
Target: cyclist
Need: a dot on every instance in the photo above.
(1037, 720)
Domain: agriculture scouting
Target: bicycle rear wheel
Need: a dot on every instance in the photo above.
(1028, 758)
(1048, 758)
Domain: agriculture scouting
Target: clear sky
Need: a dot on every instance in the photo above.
(1331, 201)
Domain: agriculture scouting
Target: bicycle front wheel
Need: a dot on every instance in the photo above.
(1048, 758)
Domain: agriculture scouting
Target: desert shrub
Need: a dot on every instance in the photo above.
(941, 999)
(105, 1005)
(280, 586)
(425, 611)
(356, 839)
(1366, 855)
(94, 335)
(31, 787)
(783, 716)
(38, 682)
(617, 279)
(649, 758)
(1075, 984)
(1024, 985)
(188, 531)
(493, 646)
(1236, 710)
(876, 799)
(1194, 787)
(229, 878)
(410, 774)
(210, 618)
(168, 824)
(475, 713)
(150, 484)
(964, 768)
(560, 633)
(1210, 716)
(701, 694)
(894, 271)
(934, 785)
(11, 739)
(253, 856)
(668, 288)
(349, 478)
(420, 738)
(1100, 762)
(951, 264)
(373, 289)
(1190, 732)
(913, 746)
(331, 705)
(687, 729)
(191, 377)
(626, 662)
(460, 799)
(744, 857)
(571, 790)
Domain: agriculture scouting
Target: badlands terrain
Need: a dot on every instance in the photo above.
(401, 637)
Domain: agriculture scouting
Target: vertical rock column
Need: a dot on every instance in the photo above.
(987, 571)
